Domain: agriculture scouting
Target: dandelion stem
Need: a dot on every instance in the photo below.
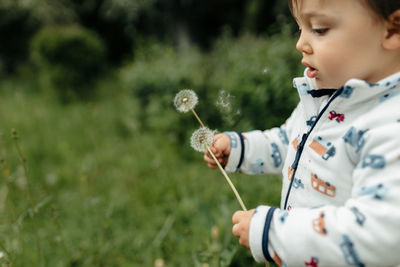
(23, 163)
(31, 210)
(228, 180)
(197, 117)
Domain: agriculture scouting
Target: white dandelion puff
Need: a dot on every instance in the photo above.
(185, 100)
(224, 101)
(226, 105)
(201, 139)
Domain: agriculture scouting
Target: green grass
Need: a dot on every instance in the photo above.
(106, 193)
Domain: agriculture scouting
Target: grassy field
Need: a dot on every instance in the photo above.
(83, 185)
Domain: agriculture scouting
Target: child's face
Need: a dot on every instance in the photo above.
(339, 40)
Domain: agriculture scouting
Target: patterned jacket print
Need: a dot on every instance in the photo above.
(339, 155)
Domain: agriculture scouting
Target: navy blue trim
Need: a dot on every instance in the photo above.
(300, 147)
(321, 92)
(303, 141)
(265, 236)
(241, 152)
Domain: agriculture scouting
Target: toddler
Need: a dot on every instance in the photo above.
(339, 151)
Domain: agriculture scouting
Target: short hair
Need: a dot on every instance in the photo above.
(383, 8)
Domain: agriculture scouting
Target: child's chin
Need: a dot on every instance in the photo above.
(325, 85)
(320, 83)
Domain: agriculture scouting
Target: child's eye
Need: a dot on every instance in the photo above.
(320, 31)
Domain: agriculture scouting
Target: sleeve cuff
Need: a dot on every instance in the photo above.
(258, 234)
(236, 154)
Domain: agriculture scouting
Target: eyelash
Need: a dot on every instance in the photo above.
(319, 31)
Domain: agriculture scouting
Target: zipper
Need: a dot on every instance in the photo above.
(304, 138)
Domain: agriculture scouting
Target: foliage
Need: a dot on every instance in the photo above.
(153, 79)
(17, 25)
(121, 23)
(70, 59)
(257, 74)
(252, 76)
(106, 193)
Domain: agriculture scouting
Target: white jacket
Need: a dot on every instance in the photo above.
(343, 208)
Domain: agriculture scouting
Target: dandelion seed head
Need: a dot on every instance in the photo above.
(226, 104)
(185, 100)
(201, 139)
(224, 101)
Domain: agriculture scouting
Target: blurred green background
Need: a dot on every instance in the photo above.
(96, 167)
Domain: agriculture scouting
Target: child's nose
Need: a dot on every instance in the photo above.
(303, 45)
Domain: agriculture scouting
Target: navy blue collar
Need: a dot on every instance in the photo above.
(321, 92)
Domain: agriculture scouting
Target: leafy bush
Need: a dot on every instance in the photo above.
(257, 73)
(154, 78)
(17, 25)
(70, 59)
(250, 78)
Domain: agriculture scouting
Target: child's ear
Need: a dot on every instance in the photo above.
(392, 38)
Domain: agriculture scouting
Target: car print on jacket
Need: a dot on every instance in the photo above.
(295, 142)
(283, 216)
(347, 91)
(378, 191)
(355, 138)
(311, 121)
(323, 187)
(313, 262)
(276, 155)
(349, 253)
(389, 96)
(233, 139)
(258, 166)
(323, 148)
(372, 161)
(290, 173)
(336, 116)
(297, 183)
(283, 136)
(360, 218)
(319, 224)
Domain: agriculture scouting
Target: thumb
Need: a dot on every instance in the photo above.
(222, 144)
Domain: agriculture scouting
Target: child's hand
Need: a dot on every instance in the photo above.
(241, 226)
(221, 149)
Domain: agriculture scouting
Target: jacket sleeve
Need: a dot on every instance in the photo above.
(258, 152)
(364, 231)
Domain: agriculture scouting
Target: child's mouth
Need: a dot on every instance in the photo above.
(311, 72)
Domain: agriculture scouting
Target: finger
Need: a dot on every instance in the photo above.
(215, 151)
(243, 242)
(235, 230)
(236, 217)
(212, 166)
(208, 159)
